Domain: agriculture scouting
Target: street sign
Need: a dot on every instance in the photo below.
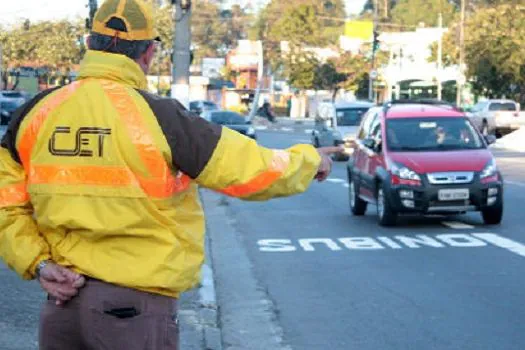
(373, 74)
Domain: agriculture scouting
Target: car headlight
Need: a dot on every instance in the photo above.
(5, 113)
(250, 131)
(490, 170)
(404, 172)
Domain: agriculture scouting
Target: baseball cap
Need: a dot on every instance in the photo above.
(127, 19)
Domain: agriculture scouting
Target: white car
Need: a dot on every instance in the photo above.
(496, 116)
(337, 123)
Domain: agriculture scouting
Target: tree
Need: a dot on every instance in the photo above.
(325, 28)
(301, 69)
(414, 12)
(494, 50)
(327, 77)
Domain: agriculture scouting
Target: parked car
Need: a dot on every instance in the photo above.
(9, 102)
(7, 108)
(232, 120)
(496, 117)
(415, 158)
(338, 122)
(199, 107)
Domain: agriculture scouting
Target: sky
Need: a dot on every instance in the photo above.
(13, 10)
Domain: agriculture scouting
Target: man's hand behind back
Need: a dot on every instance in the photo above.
(326, 161)
(60, 282)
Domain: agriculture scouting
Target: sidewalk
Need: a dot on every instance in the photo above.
(514, 141)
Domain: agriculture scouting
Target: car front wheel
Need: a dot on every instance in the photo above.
(357, 205)
(493, 215)
(386, 214)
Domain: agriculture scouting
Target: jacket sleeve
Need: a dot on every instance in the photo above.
(226, 161)
(21, 245)
(241, 168)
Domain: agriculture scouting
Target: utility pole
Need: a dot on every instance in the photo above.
(93, 6)
(1, 71)
(460, 81)
(371, 88)
(440, 57)
(182, 52)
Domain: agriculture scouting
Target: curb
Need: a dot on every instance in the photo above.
(199, 320)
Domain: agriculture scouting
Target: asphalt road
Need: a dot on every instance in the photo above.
(339, 282)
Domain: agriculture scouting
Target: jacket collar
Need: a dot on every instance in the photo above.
(118, 68)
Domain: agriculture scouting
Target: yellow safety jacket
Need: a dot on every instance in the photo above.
(101, 177)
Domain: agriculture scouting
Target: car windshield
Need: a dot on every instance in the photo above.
(503, 107)
(350, 116)
(432, 134)
(227, 118)
(210, 105)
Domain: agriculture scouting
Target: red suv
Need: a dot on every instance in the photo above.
(422, 157)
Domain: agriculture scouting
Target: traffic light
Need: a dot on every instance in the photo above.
(376, 41)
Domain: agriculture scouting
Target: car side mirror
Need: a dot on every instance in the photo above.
(369, 143)
(491, 139)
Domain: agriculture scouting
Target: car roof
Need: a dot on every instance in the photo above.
(416, 110)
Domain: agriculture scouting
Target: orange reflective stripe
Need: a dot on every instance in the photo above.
(13, 195)
(29, 137)
(82, 175)
(161, 182)
(280, 162)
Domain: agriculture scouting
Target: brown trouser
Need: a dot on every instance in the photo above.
(104, 316)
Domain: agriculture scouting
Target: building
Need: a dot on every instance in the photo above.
(409, 71)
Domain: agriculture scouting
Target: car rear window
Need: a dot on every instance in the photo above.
(503, 107)
(431, 134)
(350, 116)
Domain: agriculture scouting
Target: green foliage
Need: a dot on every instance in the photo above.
(494, 50)
(305, 22)
(414, 12)
(301, 70)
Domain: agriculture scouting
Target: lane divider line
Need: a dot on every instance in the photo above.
(456, 225)
(505, 243)
(514, 183)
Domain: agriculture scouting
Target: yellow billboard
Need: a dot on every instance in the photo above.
(359, 30)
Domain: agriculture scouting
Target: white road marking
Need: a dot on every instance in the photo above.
(515, 183)
(457, 225)
(418, 241)
(346, 185)
(307, 244)
(308, 131)
(502, 242)
(286, 129)
(461, 240)
(335, 181)
(261, 127)
(360, 243)
(276, 245)
(399, 243)
(389, 242)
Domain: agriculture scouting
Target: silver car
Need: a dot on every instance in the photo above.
(496, 117)
(337, 122)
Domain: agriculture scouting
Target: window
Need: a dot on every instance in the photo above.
(431, 134)
(364, 132)
(503, 107)
(350, 116)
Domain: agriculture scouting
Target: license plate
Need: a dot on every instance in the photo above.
(453, 195)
